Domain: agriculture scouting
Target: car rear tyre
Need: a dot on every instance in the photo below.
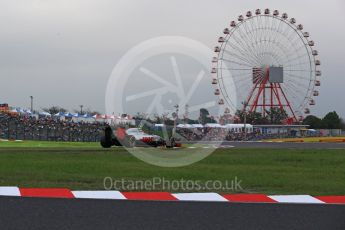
(105, 143)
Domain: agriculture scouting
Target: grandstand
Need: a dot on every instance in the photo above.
(20, 124)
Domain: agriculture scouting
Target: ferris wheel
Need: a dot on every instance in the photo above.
(271, 61)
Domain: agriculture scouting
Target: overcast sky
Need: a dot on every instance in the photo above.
(63, 51)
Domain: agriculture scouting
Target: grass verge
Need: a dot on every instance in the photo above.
(270, 171)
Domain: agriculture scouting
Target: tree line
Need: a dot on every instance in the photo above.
(58, 109)
(330, 121)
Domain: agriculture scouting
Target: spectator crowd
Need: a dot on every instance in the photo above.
(216, 134)
(19, 127)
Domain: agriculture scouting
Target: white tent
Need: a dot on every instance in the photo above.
(68, 114)
(59, 114)
(87, 116)
(213, 125)
(239, 127)
(184, 126)
(45, 114)
(229, 126)
(14, 111)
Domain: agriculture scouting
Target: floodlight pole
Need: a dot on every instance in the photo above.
(175, 120)
(31, 103)
(245, 119)
(81, 109)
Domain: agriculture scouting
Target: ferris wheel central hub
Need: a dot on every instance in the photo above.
(272, 73)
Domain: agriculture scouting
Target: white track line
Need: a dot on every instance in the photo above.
(295, 199)
(99, 195)
(9, 191)
(199, 197)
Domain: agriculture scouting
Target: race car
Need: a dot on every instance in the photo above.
(143, 139)
(132, 137)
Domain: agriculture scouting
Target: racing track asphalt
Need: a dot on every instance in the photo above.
(50, 213)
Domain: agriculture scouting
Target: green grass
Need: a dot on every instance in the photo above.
(270, 171)
(47, 144)
(309, 139)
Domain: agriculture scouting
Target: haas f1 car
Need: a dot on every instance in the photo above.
(133, 137)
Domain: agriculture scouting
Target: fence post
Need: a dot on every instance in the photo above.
(16, 131)
(8, 128)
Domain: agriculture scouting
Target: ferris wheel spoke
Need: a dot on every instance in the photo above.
(299, 64)
(248, 43)
(291, 88)
(277, 30)
(267, 45)
(275, 41)
(258, 43)
(295, 51)
(287, 35)
(292, 36)
(251, 30)
(298, 70)
(245, 50)
(287, 31)
(252, 38)
(257, 31)
(239, 75)
(294, 42)
(275, 59)
(260, 34)
(241, 41)
(270, 47)
(268, 33)
(293, 91)
(274, 53)
(242, 89)
(296, 58)
(238, 63)
(248, 79)
(239, 57)
(291, 48)
(239, 50)
(299, 92)
(234, 76)
(241, 84)
(296, 85)
(297, 76)
(235, 69)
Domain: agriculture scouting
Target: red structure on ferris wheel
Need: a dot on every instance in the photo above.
(267, 91)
